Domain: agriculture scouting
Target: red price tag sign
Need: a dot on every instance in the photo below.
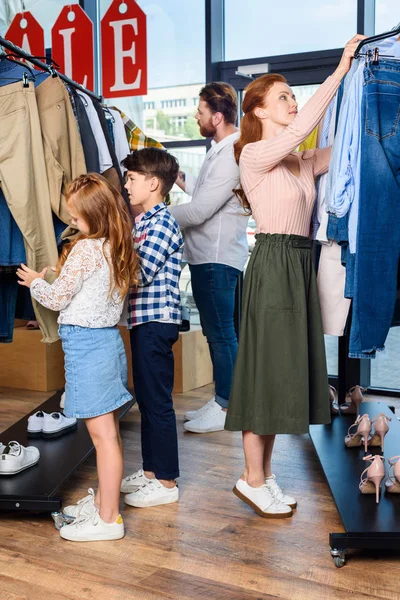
(26, 33)
(72, 45)
(124, 50)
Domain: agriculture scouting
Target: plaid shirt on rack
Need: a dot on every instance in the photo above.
(136, 138)
(159, 245)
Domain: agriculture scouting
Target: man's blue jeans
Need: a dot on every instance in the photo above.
(213, 287)
(378, 241)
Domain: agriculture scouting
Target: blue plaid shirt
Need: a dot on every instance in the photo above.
(159, 245)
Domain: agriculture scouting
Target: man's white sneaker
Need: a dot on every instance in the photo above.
(84, 507)
(57, 424)
(195, 414)
(212, 420)
(277, 492)
(15, 458)
(35, 424)
(133, 482)
(93, 529)
(153, 493)
(261, 500)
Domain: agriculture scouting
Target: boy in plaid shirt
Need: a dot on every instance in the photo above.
(154, 313)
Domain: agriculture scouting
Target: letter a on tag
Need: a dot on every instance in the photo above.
(26, 33)
(72, 45)
(124, 50)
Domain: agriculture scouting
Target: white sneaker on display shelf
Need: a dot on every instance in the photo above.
(35, 424)
(56, 424)
(15, 458)
(195, 414)
(213, 419)
(93, 529)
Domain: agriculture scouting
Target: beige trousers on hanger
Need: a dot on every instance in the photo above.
(61, 141)
(23, 179)
(331, 280)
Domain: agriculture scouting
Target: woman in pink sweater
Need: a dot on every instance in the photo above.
(280, 383)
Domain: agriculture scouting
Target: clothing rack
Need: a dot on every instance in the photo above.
(45, 67)
(375, 38)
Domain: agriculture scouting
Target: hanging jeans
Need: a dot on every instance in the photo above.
(23, 179)
(378, 241)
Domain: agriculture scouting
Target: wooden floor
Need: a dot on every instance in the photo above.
(209, 545)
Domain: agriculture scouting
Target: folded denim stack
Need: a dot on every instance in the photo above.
(42, 424)
(15, 458)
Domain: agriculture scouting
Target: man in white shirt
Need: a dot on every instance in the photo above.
(214, 225)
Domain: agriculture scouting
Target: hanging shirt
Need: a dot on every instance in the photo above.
(136, 138)
(120, 140)
(104, 154)
(214, 222)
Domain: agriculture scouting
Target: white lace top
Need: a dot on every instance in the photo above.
(81, 291)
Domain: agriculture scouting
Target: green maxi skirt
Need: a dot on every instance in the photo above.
(280, 383)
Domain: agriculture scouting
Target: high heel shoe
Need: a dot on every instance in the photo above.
(381, 427)
(371, 484)
(392, 483)
(361, 436)
(333, 401)
(353, 401)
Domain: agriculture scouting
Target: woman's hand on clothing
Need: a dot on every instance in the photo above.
(27, 275)
(347, 56)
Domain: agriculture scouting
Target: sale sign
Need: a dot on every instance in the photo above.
(72, 45)
(26, 33)
(124, 50)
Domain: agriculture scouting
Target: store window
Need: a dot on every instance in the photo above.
(176, 69)
(44, 11)
(385, 371)
(387, 15)
(265, 28)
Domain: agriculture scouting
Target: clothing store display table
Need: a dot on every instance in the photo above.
(367, 525)
(35, 488)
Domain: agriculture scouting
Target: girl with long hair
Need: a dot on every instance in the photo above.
(95, 272)
(280, 383)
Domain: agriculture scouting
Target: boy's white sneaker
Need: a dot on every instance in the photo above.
(211, 420)
(35, 423)
(153, 493)
(83, 508)
(93, 529)
(277, 492)
(133, 482)
(261, 500)
(56, 424)
(15, 458)
(195, 414)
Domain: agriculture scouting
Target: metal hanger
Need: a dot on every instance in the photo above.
(374, 54)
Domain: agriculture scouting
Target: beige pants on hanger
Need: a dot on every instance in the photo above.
(331, 280)
(23, 179)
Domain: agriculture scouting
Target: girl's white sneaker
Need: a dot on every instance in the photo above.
(83, 508)
(261, 500)
(93, 529)
(153, 493)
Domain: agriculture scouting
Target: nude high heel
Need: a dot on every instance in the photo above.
(371, 483)
(361, 435)
(353, 401)
(392, 483)
(381, 427)
(333, 401)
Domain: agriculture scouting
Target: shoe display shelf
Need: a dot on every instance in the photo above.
(35, 488)
(367, 525)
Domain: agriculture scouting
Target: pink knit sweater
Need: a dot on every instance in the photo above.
(280, 201)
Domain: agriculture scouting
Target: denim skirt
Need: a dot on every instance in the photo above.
(280, 383)
(96, 371)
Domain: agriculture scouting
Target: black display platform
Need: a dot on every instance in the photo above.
(367, 525)
(36, 487)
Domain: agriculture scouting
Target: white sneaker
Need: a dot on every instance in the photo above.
(93, 529)
(261, 500)
(152, 493)
(84, 507)
(57, 424)
(2, 446)
(35, 424)
(277, 492)
(212, 420)
(133, 482)
(195, 414)
(15, 458)
(62, 401)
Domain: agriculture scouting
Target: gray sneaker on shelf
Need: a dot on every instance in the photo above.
(16, 458)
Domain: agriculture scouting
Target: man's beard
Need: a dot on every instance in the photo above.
(208, 130)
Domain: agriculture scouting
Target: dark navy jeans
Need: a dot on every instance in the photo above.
(378, 241)
(213, 287)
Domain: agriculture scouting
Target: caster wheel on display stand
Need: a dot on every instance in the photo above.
(339, 558)
(60, 520)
